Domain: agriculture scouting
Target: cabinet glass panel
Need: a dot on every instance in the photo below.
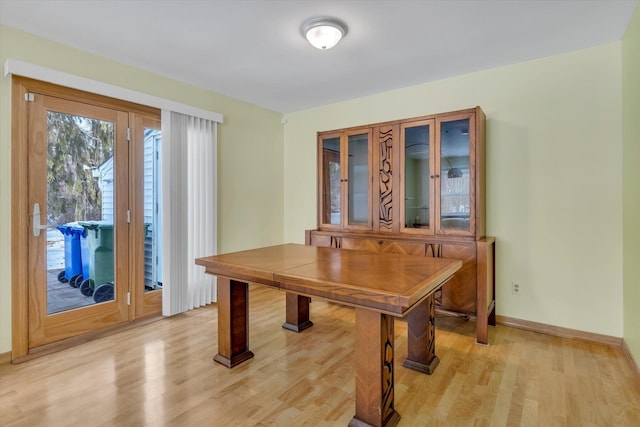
(331, 180)
(358, 179)
(416, 176)
(454, 175)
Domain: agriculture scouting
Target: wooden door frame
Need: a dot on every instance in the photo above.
(143, 303)
(20, 220)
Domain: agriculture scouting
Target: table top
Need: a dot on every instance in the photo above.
(389, 283)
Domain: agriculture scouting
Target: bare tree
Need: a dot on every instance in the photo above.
(76, 146)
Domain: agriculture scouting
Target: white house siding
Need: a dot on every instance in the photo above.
(152, 278)
(104, 173)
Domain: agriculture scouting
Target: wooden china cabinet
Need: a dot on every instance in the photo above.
(414, 186)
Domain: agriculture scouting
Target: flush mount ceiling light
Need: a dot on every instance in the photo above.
(323, 33)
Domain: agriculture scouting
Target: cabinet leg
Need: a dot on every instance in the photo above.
(482, 330)
(485, 291)
(233, 322)
(297, 317)
(421, 339)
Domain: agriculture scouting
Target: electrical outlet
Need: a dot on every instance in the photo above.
(515, 288)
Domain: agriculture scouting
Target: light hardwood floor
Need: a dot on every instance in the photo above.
(162, 374)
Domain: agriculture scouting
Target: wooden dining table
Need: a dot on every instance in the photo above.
(380, 287)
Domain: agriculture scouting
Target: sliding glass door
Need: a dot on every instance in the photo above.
(86, 179)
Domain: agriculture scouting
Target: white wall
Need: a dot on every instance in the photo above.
(554, 183)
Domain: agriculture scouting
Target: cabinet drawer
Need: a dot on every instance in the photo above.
(385, 246)
(320, 240)
(369, 245)
(407, 248)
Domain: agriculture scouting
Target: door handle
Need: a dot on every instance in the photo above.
(36, 221)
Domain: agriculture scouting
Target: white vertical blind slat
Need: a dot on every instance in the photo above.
(189, 200)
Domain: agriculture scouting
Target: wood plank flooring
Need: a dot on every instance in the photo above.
(162, 374)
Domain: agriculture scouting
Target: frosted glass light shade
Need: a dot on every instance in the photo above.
(324, 33)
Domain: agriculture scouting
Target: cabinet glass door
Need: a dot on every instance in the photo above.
(455, 179)
(331, 179)
(417, 167)
(345, 179)
(358, 179)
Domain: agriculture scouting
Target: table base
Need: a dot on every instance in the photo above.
(421, 337)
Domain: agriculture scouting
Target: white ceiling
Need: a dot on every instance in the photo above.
(253, 49)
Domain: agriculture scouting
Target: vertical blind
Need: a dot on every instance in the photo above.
(189, 198)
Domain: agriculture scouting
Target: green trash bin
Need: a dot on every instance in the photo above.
(101, 272)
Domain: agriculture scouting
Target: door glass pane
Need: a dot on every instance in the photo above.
(358, 179)
(454, 175)
(80, 205)
(416, 176)
(152, 212)
(331, 180)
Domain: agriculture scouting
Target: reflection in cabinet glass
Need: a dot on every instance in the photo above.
(417, 146)
(358, 179)
(454, 172)
(331, 180)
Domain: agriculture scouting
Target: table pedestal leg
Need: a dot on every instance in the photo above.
(421, 340)
(297, 319)
(233, 322)
(374, 370)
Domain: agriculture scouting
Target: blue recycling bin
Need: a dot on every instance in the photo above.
(84, 252)
(74, 235)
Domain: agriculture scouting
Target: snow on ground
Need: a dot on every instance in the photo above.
(55, 249)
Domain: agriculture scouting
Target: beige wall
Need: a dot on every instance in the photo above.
(250, 150)
(554, 181)
(631, 183)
